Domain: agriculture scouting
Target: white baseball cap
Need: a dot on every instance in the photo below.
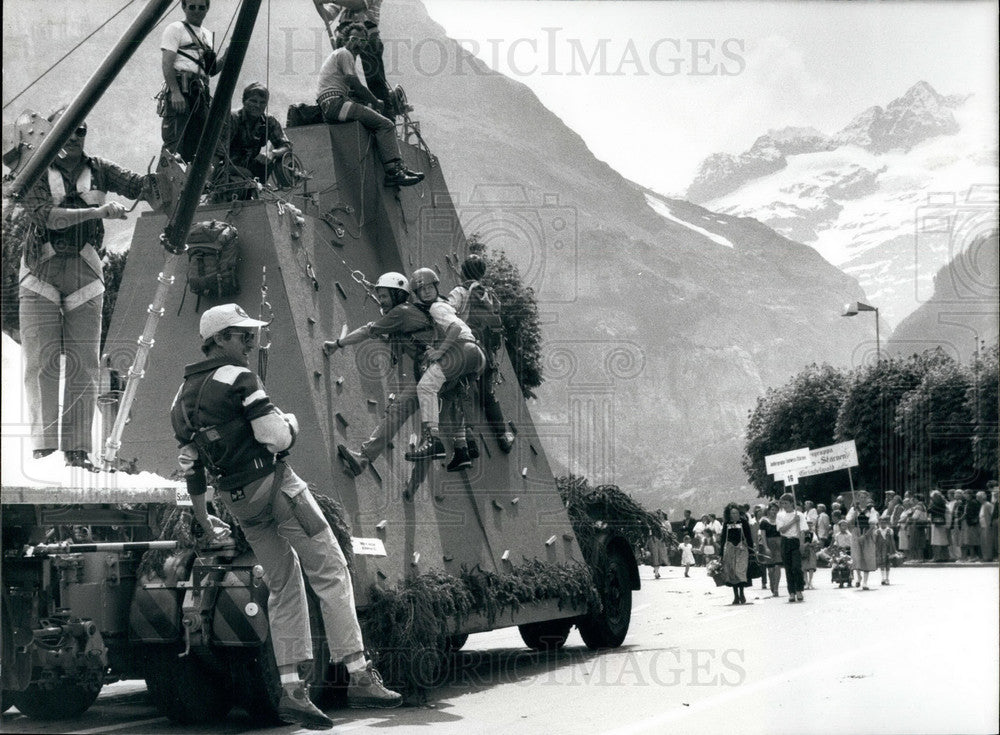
(217, 318)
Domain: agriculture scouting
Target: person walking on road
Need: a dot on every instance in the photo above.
(791, 525)
(771, 543)
(736, 550)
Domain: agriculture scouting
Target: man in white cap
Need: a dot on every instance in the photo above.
(230, 431)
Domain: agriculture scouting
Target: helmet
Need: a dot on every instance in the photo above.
(473, 268)
(423, 277)
(393, 280)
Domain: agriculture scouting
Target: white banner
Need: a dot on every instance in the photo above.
(834, 457)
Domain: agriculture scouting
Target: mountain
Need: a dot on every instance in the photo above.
(963, 312)
(859, 196)
(663, 321)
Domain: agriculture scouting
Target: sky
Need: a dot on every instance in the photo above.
(679, 81)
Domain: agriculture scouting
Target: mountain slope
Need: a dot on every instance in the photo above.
(663, 321)
(858, 196)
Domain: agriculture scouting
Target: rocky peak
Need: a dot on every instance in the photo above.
(921, 113)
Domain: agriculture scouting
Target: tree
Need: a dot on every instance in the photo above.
(982, 401)
(519, 312)
(802, 413)
(868, 415)
(935, 425)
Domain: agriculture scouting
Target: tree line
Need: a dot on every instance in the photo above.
(918, 422)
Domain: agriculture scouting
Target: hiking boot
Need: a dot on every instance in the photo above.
(506, 442)
(295, 708)
(460, 461)
(367, 690)
(470, 439)
(41, 453)
(398, 175)
(354, 463)
(430, 448)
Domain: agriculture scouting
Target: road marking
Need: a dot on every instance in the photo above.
(656, 723)
(122, 726)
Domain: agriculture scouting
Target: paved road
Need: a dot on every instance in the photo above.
(920, 656)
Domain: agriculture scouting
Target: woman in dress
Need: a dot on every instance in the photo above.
(657, 546)
(736, 547)
(771, 543)
(863, 522)
(937, 511)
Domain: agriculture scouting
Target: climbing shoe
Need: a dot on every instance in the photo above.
(354, 463)
(506, 441)
(397, 174)
(367, 690)
(430, 448)
(295, 708)
(460, 461)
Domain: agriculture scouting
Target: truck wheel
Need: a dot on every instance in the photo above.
(606, 628)
(59, 703)
(255, 674)
(183, 688)
(547, 635)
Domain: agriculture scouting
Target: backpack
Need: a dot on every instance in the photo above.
(213, 259)
(484, 318)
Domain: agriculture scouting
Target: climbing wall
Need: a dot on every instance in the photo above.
(499, 513)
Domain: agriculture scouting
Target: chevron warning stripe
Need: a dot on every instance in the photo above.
(154, 616)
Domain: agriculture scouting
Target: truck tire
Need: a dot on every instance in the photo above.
(606, 628)
(183, 688)
(547, 635)
(255, 673)
(62, 702)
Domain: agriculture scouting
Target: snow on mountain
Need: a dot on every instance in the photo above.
(662, 208)
(860, 197)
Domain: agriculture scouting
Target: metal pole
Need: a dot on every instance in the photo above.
(878, 343)
(176, 231)
(92, 91)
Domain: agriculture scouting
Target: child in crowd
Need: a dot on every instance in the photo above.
(885, 547)
(841, 548)
(687, 555)
(809, 556)
(708, 546)
(842, 538)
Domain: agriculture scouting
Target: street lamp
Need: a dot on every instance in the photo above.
(852, 309)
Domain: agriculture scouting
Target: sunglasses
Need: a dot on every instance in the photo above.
(80, 131)
(247, 337)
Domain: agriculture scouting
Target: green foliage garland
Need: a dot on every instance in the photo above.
(519, 313)
(406, 628)
(606, 508)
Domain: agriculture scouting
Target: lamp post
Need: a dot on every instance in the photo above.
(852, 309)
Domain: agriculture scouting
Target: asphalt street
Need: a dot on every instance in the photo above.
(919, 656)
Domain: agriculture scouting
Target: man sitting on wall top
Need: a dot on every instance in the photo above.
(343, 98)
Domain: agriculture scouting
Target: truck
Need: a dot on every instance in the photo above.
(109, 583)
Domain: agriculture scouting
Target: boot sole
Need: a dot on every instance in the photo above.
(374, 703)
(289, 719)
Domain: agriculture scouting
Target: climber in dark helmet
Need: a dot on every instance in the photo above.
(454, 356)
(343, 97)
(410, 333)
(479, 307)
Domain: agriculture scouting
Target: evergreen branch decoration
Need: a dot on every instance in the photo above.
(406, 628)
